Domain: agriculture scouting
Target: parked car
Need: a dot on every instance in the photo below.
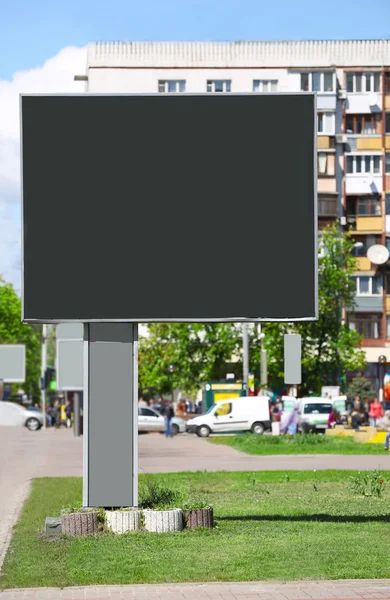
(14, 414)
(150, 419)
(313, 414)
(247, 413)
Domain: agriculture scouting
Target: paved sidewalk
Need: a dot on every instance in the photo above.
(324, 590)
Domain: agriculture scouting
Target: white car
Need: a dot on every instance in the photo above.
(313, 414)
(150, 419)
(15, 415)
(247, 413)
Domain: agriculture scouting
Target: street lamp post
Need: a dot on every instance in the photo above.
(171, 369)
(382, 361)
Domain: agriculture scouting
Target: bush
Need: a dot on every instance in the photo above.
(368, 484)
(154, 495)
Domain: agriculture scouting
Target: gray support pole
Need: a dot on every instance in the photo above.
(76, 414)
(43, 371)
(245, 356)
(110, 469)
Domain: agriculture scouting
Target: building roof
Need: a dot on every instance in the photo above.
(351, 53)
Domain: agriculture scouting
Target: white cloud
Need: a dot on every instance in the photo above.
(55, 76)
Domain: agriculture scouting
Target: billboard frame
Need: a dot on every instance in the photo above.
(186, 320)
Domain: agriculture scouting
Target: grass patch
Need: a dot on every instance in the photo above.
(270, 525)
(299, 444)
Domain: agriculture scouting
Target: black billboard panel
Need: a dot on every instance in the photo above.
(169, 207)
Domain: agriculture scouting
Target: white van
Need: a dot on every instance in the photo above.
(313, 414)
(247, 413)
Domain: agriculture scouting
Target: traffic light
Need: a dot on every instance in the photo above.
(49, 376)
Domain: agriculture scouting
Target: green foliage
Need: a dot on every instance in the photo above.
(199, 350)
(368, 484)
(299, 444)
(195, 505)
(360, 386)
(51, 347)
(13, 331)
(153, 494)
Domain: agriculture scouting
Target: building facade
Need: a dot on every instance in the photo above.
(352, 81)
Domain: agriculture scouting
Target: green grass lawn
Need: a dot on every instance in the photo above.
(299, 444)
(270, 525)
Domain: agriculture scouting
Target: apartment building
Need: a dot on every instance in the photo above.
(352, 81)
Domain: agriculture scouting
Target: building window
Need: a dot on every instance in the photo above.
(363, 124)
(367, 206)
(387, 163)
(219, 85)
(327, 207)
(387, 326)
(366, 243)
(360, 164)
(369, 286)
(326, 123)
(171, 86)
(265, 85)
(369, 326)
(387, 122)
(387, 83)
(326, 164)
(363, 82)
(318, 81)
(387, 203)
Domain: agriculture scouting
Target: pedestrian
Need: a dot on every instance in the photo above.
(168, 414)
(49, 415)
(376, 412)
(333, 418)
(385, 424)
(141, 402)
(56, 414)
(356, 419)
(289, 423)
(68, 413)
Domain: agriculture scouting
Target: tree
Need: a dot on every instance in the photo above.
(362, 387)
(51, 346)
(330, 347)
(13, 331)
(200, 351)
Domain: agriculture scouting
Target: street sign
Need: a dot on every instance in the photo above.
(119, 173)
(13, 363)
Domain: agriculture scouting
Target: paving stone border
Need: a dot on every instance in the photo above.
(80, 523)
(163, 521)
(123, 521)
(199, 517)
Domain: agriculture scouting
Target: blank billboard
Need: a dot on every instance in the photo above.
(13, 363)
(169, 207)
(70, 365)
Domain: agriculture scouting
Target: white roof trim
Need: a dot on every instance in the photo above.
(365, 53)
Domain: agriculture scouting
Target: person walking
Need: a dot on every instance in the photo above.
(56, 414)
(68, 413)
(385, 424)
(376, 412)
(168, 414)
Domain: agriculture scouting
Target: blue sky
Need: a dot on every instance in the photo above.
(32, 31)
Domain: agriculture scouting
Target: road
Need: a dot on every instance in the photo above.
(26, 455)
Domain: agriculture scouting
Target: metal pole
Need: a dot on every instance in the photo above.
(43, 371)
(246, 356)
(76, 414)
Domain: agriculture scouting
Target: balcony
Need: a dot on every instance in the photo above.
(387, 142)
(363, 263)
(369, 143)
(360, 103)
(325, 142)
(369, 326)
(369, 224)
(363, 183)
(364, 304)
(388, 304)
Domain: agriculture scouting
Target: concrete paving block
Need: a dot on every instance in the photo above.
(162, 521)
(53, 525)
(123, 521)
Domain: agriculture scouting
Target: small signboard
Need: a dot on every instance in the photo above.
(13, 363)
